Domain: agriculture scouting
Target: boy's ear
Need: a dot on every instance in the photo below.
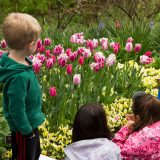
(30, 45)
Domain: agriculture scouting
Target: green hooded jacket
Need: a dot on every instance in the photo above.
(21, 95)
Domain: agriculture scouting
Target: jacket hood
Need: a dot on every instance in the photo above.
(9, 67)
(95, 149)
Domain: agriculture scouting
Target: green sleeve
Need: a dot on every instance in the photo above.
(17, 93)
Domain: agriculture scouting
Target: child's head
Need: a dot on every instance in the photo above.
(146, 108)
(90, 122)
(20, 30)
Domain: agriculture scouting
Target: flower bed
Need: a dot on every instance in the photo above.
(90, 71)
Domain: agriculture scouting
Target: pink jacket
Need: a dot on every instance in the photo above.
(140, 145)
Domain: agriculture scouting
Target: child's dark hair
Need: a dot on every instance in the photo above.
(90, 122)
(147, 107)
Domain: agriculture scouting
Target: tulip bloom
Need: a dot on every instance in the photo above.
(137, 47)
(52, 91)
(81, 60)
(69, 69)
(148, 53)
(47, 41)
(47, 52)
(41, 49)
(68, 51)
(77, 38)
(130, 39)
(111, 60)
(39, 43)
(91, 44)
(86, 53)
(62, 59)
(73, 56)
(103, 40)
(129, 47)
(105, 46)
(3, 44)
(80, 50)
(49, 62)
(58, 50)
(77, 79)
(36, 67)
(145, 59)
(36, 64)
(99, 57)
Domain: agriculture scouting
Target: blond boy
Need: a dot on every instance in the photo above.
(21, 92)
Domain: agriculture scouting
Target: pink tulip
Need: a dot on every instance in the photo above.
(62, 59)
(77, 38)
(91, 44)
(77, 79)
(80, 41)
(42, 49)
(73, 39)
(96, 66)
(49, 62)
(68, 51)
(41, 57)
(130, 39)
(81, 60)
(129, 47)
(58, 50)
(111, 60)
(69, 69)
(99, 57)
(3, 44)
(145, 59)
(80, 50)
(48, 53)
(36, 59)
(115, 46)
(36, 67)
(36, 64)
(39, 43)
(38, 56)
(53, 59)
(73, 56)
(137, 47)
(95, 43)
(52, 91)
(86, 53)
(47, 41)
(148, 53)
(103, 40)
(105, 46)
(112, 44)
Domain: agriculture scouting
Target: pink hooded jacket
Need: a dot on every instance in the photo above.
(139, 145)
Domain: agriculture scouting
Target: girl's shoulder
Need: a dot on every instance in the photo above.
(149, 131)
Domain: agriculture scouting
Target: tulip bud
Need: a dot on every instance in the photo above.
(137, 47)
(52, 91)
(77, 79)
(69, 69)
(81, 60)
(3, 44)
(47, 41)
(129, 47)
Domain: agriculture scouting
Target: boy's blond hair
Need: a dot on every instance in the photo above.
(20, 29)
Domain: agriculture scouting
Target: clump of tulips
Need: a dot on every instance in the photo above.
(91, 72)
